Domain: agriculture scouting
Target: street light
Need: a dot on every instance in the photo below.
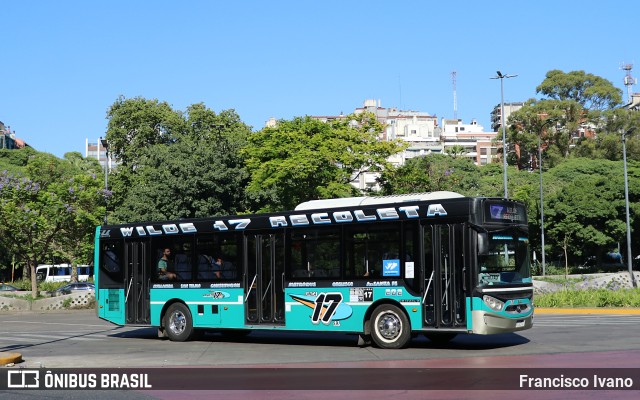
(545, 123)
(105, 145)
(502, 76)
(626, 205)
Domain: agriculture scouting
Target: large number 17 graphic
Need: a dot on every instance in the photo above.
(326, 305)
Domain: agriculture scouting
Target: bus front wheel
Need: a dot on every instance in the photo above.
(390, 327)
(178, 323)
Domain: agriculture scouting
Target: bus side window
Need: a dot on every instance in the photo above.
(110, 261)
(182, 264)
(228, 270)
(205, 267)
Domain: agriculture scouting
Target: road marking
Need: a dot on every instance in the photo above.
(57, 323)
(50, 338)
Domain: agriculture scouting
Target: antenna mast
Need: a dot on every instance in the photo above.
(629, 81)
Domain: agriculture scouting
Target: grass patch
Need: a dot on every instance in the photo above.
(589, 298)
(561, 280)
(66, 303)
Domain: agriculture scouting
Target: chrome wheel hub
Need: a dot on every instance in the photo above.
(389, 326)
(177, 322)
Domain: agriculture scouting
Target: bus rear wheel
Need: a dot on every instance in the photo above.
(178, 323)
(390, 327)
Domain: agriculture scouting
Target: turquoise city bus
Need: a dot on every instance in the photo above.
(384, 268)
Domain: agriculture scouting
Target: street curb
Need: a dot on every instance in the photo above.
(10, 358)
(621, 311)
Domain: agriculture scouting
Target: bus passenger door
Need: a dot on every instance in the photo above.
(264, 279)
(444, 297)
(137, 279)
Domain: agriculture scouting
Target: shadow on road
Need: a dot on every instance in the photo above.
(460, 342)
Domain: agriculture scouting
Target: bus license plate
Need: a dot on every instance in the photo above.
(519, 324)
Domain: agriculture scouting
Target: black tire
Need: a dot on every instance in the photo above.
(390, 327)
(178, 323)
(441, 337)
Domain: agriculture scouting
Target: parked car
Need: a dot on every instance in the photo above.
(72, 288)
(5, 287)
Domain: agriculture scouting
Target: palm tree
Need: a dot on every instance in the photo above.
(455, 151)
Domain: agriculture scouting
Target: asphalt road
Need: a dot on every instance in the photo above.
(78, 339)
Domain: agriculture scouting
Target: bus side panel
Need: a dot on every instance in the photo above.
(342, 309)
(337, 310)
(110, 302)
(210, 308)
(110, 305)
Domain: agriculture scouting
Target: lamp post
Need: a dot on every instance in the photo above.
(105, 145)
(547, 122)
(502, 76)
(626, 206)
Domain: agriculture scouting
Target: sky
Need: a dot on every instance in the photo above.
(64, 63)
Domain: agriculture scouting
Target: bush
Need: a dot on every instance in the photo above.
(48, 286)
(590, 298)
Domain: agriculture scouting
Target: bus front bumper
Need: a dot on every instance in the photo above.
(486, 323)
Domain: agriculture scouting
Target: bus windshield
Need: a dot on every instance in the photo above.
(507, 259)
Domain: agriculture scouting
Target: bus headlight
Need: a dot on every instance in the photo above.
(493, 303)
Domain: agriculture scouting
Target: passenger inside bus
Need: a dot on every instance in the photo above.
(224, 269)
(207, 268)
(163, 266)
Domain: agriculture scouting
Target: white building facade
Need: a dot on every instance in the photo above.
(424, 136)
(99, 152)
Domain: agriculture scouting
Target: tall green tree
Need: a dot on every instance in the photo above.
(83, 194)
(537, 124)
(608, 143)
(38, 206)
(577, 100)
(586, 213)
(190, 168)
(12, 163)
(306, 159)
(590, 91)
(432, 173)
(134, 124)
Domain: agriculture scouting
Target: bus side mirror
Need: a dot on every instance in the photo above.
(483, 244)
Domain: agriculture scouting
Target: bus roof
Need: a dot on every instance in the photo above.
(370, 200)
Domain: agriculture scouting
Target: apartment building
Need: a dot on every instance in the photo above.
(476, 144)
(8, 139)
(424, 136)
(496, 114)
(98, 151)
